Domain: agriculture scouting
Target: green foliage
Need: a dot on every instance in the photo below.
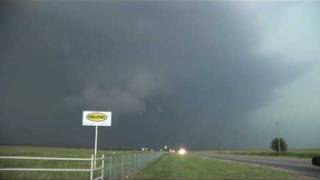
(275, 145)
(192, 166)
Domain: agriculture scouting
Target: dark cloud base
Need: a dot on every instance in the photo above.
(172, 73)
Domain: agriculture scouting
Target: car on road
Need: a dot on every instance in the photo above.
(316, 161)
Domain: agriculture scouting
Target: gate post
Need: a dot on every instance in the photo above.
(102, 170)
(91, 169)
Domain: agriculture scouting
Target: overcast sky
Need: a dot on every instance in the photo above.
(195, 74)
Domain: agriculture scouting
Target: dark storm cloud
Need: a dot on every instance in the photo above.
(172, 73)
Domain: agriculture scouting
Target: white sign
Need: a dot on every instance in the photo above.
(96, 118)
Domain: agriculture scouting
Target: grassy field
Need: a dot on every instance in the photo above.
(51, 152)
(168, 167)
(298, 153)
(193, 167)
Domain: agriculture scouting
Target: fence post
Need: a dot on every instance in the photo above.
(129, 162)
(110, 167)
(139, 160)
(102, 170)
(121, 163)
(91, 170)
(134, 162)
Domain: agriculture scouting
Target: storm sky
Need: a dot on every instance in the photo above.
(196, 74)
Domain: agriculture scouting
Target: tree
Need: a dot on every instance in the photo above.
(275, 145)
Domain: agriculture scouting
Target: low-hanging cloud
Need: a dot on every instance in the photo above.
(172, 73)
(98, 92)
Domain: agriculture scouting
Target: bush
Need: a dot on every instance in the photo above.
(275, 145)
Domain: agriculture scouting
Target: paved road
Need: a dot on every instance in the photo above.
(298, 165)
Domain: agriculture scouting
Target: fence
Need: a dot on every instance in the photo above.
(92, 168)
(112, 167)
(123, 166)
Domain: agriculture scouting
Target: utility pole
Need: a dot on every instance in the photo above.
(278, 134)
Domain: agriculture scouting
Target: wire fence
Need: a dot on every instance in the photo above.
(116, 166)
(124, 166)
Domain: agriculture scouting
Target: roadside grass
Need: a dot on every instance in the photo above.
(298, 153)
(48, 152)
(193, 167)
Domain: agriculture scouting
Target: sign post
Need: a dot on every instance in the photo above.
(96, 143)
(96, 118)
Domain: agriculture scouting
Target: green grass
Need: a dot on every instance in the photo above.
(48, 152)
(51, 151)
(194, 167)
(298, 153)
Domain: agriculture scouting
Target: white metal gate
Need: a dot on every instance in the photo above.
(93, 161)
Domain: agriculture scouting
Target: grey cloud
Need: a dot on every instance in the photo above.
(172, 73)
(128, 97)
